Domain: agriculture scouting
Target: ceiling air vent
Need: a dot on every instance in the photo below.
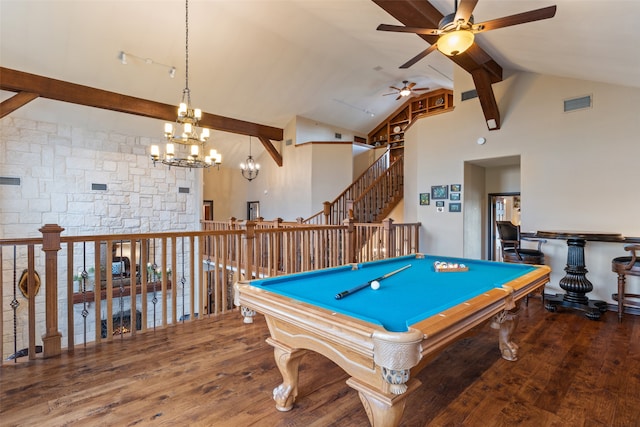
(574, 104)
(470, 94)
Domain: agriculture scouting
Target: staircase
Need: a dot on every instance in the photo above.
(370, 198)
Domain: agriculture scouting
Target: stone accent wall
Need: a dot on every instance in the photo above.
(57, 165)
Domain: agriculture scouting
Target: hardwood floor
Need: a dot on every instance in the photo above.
(219, 372)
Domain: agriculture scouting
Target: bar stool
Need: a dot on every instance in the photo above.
(512, 250)
(626, 266)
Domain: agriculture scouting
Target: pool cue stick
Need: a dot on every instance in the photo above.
(364, 285)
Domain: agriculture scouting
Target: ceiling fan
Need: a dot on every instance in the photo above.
(455, 32)
(406, 90)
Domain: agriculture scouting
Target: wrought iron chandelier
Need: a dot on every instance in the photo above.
(189, 140)
(250, 169)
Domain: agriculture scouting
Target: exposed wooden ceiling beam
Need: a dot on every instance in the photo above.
(421, 13)
(39, 86)
(10, 105)
(272, 150)
(482, 80)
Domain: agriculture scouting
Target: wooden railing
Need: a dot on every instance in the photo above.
(338, 210)
(377, 201)
(90, 286)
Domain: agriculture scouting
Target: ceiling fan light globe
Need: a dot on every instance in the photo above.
(405, 92)
(455, 42)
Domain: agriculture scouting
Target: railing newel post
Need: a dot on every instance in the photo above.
(52, 340)
(389, 237)
(327, 212)
(350, 244)
(249, 236)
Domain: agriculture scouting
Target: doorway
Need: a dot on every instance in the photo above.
(253, 210)
(502, 207)
(207, 210)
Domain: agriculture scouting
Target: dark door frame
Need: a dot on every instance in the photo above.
(491, 220)
(249, 205)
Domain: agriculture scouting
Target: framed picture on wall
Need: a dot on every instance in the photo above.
(439, 192)
(440, 204)
(455, 207)
(454, 196)
(456, 187)
(424, 199)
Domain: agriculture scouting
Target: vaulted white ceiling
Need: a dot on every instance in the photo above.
(267, 61)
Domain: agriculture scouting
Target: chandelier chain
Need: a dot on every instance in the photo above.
(186, 54)
(186, 123)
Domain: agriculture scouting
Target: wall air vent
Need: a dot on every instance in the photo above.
(288, 142)
(99, 187)
(183, 190)
(6, 180)
(574, 104)
(470, 94)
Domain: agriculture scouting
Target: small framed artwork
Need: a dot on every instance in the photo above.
(440, 204)
(455, 207)
(439, 192)
(454, 196)
(456, 187)
(424, 199)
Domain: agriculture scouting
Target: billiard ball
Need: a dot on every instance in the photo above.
(375, 285)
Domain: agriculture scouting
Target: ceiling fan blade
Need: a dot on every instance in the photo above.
(395, 88)
(411, 85)
(419, 88)
(465, 9)
(402, 29)
(518, 18)
(387, 94)
(419, 56)
(399, 96)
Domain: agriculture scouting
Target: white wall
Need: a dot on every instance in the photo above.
(228, 190)
(308, 130)
(578, 169)
(332, 172)
(503, 179)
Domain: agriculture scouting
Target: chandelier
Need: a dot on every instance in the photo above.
(250, 169)
(186, 149)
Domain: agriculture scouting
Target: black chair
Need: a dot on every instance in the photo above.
(512, 250)
(626, 266)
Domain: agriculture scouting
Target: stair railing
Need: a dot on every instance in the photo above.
(381, 196)
(333, 213)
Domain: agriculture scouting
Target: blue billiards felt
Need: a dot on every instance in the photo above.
(404, 298)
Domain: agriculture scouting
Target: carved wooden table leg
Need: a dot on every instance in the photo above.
(383, 410)
(288, 361)
(506, 322)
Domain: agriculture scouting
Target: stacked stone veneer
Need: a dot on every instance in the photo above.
(57, 165)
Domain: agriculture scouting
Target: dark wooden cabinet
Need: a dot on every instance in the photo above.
(90, 295)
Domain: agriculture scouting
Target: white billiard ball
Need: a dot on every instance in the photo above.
(375, 285)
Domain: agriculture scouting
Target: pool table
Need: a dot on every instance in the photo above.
(383, 337)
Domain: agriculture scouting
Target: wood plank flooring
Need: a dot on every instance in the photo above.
(220, 372)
